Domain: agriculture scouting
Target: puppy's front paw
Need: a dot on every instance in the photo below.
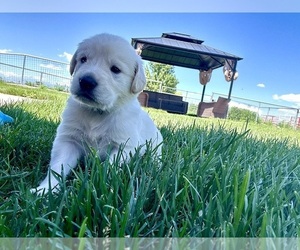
(44, 190)
(39, 190)
(46, 187)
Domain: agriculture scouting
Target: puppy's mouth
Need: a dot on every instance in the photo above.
(89, 100)
(85, 96)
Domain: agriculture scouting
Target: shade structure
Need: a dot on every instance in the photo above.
(184, 51)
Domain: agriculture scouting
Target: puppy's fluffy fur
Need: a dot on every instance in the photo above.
(103, 111)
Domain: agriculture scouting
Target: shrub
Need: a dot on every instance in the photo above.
(239, 114)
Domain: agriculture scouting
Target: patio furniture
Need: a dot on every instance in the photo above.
(165, 101)
(143, 99)
(216, 109)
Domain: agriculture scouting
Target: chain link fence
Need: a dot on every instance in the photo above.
(34, 71)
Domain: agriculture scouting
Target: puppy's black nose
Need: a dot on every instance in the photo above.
(87, 83)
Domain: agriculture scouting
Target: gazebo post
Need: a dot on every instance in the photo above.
(232, 79)
(203, 91)
(231, 84)
(202, 97)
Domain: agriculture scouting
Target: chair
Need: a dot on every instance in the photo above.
(143, 99)
(216, 109)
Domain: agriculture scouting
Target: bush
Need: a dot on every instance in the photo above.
(239, 114)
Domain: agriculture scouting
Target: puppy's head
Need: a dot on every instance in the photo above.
(106, 71)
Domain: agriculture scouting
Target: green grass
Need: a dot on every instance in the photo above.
(39, 93)
(217, 179)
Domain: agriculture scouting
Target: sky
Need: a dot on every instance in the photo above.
(267, 38)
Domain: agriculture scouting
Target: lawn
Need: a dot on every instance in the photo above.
(218, 178)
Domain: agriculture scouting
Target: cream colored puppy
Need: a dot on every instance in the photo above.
(103, 111)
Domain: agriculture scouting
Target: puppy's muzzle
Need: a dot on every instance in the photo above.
(87, 83)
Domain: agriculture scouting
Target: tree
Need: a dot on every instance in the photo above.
(161, 76)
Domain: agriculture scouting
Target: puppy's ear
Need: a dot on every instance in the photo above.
(139, 80)
(73, 63)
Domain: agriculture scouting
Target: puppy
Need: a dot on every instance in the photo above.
(102, 111)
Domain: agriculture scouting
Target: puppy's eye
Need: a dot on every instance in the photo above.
(83, 59)
(115, 70)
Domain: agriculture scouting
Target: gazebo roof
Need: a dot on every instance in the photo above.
(181, 50)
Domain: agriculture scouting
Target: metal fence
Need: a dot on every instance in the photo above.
(34, 71)
(267, 112)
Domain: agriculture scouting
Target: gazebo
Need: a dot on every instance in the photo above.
(186, 51)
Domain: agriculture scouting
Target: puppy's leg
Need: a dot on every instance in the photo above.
(120, 154)
(64, 157)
